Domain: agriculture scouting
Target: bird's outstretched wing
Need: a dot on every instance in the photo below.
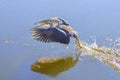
(47, 23)
(50, 35)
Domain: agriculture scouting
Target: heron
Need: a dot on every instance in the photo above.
(54, 30)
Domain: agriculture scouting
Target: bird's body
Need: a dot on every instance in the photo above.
(58, 30)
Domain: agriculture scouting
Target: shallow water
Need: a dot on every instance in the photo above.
(97, 23)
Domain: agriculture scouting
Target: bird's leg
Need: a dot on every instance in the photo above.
(77, 42)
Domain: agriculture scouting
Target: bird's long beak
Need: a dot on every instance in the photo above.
(77, 42)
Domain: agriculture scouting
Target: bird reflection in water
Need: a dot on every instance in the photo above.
(52, 66)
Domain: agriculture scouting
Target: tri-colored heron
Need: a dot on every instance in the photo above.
(54, 30)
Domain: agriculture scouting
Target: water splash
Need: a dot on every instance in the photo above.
(109, 56)
(113, 42)
(117, 42)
